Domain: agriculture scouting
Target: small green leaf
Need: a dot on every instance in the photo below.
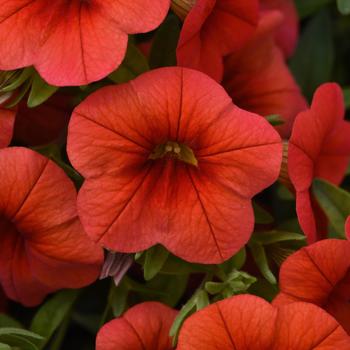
(312, 63)
(7, 321)
(40, 91)
(4, 346)
(18, 79)
(308, 7)
(274, 236)
(18, 342)
(335, 202)
(134, 64)
(118, 299)
(5, 331)
(187, 310)
(202, 300)
(261, 215)
(275, 119)
(50, 315)
(18, 97)
(163, 52)
(344, 6)
(236, 262)
(346, 92)
(154, 261)
(260, 258)
(214, 287)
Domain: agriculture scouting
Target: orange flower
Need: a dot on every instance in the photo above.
(246, 322)
(43, 245)
(169, 159)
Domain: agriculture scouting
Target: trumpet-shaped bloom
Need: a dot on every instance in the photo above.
(258, 79)
(246, 322)
(72, 42)
(7, 121)
(143, 327)
(319, 274)
(169, 159)
(287, 34)
(213, 29)
(43, 245)
(318, 147)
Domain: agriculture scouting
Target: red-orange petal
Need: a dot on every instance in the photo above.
(319, 274)
(318, 147)
(73, 42)
(129, 202)
(145, 326)
(247, 322)
(207, 33)
(44, 246)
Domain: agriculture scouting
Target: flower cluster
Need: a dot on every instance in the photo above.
(173, 175)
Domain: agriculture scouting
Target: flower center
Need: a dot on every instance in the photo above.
(174, 150)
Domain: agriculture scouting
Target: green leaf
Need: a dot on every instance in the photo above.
(21, 338)
(9, 331)
(40, 91)
(335, 202)
(308, 7)
(275, 119)
(214, 287)
(18, 97)
(134, 64)
(202, 300)
(260, 258)
(344, 6)
(19, 80)
(261, 215)
(236, 262)
(118, 299)
(187, 310)
(274, 236)
(155, 258)
(313, 61)
(4, 346)
(50, 315)
(163, 52)
(7, 321)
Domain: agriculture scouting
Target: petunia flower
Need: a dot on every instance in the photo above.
(319, 274)
(169, 159)
(258, 79)
(145, 326)
(213, 29)
(73, 42)
(287, 33)
(43, 245)
(246, 322)
(318, 147)
(347, 228)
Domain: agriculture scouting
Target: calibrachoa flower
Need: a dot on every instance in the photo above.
(169, 159)
(246, 322)
(213, 29)
(258, 79)
(72, 42)
(143, 327)
(288, 32)
(318, 147)
(347, 227)
(319, 274)
(43, 245)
